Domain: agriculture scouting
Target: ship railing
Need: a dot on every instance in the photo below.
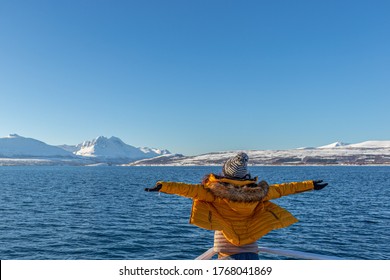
(280, 252)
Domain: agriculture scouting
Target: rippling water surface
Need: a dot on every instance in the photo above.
(104, 213)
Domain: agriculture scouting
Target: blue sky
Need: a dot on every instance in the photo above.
(196, 76)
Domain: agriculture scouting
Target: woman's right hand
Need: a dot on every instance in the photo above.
(156, 188)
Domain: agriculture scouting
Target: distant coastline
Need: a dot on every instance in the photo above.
(18, 150)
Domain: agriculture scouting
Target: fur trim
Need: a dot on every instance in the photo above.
(248, 193)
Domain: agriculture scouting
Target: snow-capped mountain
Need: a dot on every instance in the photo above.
(333, 145)
(114, 148)
(15, 146)
(154, 151)
(369, 152)
(371, 145)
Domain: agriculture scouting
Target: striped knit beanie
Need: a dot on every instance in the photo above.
(236, 167)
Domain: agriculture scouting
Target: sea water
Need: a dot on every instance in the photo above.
(104, 213)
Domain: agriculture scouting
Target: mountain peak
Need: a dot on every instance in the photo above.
(14, 146)
(114, 148)
(371, 144)
(333, 145)
(14, 135)
(147, 150)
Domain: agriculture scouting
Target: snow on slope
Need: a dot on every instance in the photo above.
(14, 145)
(154, 151)
(115, 148)
(371, 144)
(70, 148)
(370, 152)
(364, 145)
(333, 145)
(112, 147)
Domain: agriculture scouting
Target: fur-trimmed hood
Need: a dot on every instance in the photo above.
(236, 190)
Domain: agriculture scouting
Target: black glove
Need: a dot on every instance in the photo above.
(318, 185)
(154, 189)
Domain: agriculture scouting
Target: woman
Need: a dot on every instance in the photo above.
(237, 207)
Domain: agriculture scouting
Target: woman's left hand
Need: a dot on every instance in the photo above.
(319, 185)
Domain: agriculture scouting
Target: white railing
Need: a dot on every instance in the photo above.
(297, 254)
(207, 255)
(280, 252)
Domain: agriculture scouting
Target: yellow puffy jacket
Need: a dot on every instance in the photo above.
(239, 208)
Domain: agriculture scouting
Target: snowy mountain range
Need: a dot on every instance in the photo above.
(15, 149)
(18, 150)
(338, 153)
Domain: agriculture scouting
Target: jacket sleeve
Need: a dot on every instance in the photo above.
(279, 190)
(187, 190)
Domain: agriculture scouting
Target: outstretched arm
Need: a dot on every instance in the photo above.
(194, 191)
(279, 190)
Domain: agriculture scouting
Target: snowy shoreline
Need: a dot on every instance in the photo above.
(18, 150)
(51, 162)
